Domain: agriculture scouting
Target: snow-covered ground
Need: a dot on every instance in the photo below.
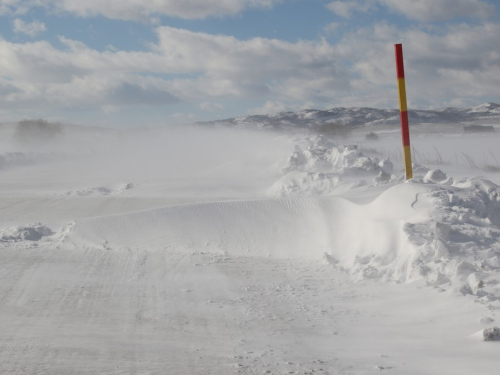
(218, 251)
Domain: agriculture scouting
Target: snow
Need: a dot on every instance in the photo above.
(31, 232)
(319, 167)
(436, 175)
(198, 251)
(491, 334)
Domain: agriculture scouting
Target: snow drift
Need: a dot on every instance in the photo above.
(369, 240)
(285, 228)
(433, 228)
(445, 234)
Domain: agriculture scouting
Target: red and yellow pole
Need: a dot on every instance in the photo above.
(405, 130)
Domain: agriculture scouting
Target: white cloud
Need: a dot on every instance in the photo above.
(15, 7)
(422, 10)
(184, 118)
(225, 55)
(43, 76)
(440, 10)
(273, 107)
(110, 109)
(255, 67)
(139, 9)
(31, 29)
(458, 62)
(211, 107)
(331, 28)
(346, 8)
(221, 68)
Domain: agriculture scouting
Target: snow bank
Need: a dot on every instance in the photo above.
(318, 167)
(452, 237)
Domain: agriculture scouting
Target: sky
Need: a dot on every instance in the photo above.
(159, 62)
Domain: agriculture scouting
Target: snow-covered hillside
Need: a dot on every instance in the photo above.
(356, 117)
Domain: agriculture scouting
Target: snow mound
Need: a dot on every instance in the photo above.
(31, 232)
(454, 237)
(100, 191)
(318, 167)
(436, 176)
(491, 334)
(419, 169)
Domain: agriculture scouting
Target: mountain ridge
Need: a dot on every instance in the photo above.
(358, 117)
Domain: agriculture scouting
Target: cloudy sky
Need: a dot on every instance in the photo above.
(150, 62)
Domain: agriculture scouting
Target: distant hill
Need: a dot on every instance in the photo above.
(357, 117)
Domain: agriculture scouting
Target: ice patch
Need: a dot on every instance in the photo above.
(475, 282)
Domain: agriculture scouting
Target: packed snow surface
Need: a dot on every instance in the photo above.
(307, 256)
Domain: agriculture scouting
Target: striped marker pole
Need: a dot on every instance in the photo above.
(405, 130)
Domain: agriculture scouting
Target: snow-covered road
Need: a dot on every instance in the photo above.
(105, 311)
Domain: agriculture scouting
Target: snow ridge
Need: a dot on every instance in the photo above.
(358, 116)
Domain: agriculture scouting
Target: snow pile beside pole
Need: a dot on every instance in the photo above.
(318, 167)
(452, 237)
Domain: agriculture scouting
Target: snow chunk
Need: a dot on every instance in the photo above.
(491, 334)
(31, 232)
(436, 176)
(386, 166)
(100, 190)
(475, 282)
(417, 168)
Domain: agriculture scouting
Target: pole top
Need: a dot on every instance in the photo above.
(400, 70)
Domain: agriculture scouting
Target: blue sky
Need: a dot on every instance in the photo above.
(144, 62)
